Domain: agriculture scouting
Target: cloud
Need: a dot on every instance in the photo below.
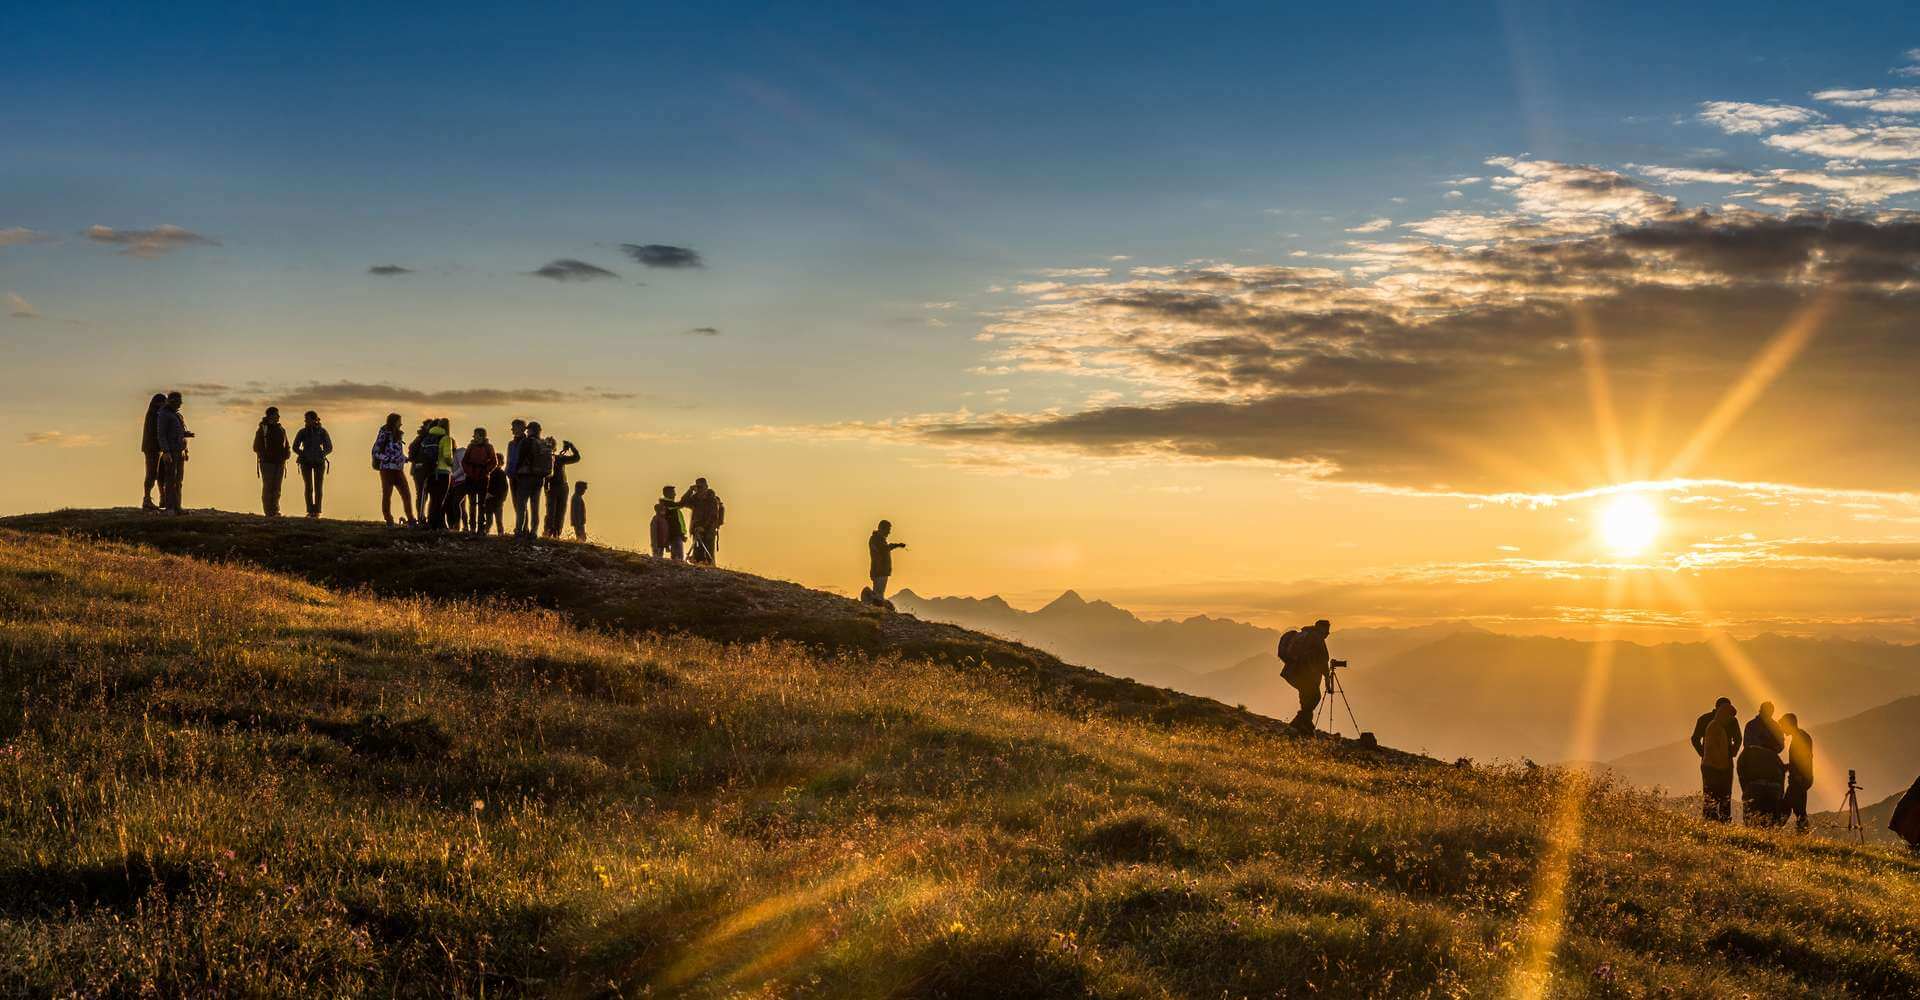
(61, 439)
(357, 395)
(17, 236)
(704, 331)
(148, 242)
(1900, 101)
(1691, 175)
(388, 270)
(1867, 551)
(1371, 226)
(1074, 272)
(1565, 191)
(568, 269)
(1742, 118)
(939, 305)
(20, 308)
(1847, 142)
(662, 255)
(1436, 367)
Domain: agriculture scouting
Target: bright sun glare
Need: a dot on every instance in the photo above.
(1629, 524)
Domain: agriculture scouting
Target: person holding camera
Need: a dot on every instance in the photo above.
(1306, 665)
(557, 486)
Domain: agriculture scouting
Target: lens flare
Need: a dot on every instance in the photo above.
(1629, 525)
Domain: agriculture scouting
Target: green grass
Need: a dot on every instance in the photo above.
(215, 780)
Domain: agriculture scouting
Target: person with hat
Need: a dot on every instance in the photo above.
(270, 453)
(880, 558)
(1306, 665)
(708, 514)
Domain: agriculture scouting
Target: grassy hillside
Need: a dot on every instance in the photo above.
(216, 780)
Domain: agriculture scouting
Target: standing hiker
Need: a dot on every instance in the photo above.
(1305, 663)
(513, 479)
(1799, 771)
(709, 513)
(557, 486)
(579, 511)
(150, 448)
(270, 454)
(440, 446)
(1716, 739)
(880, 558)
(313, 444)
(535, 463)
(479, 462)
(422, 453)
(667, 531)
(170, 430)
(1763, 778)
(390, 460)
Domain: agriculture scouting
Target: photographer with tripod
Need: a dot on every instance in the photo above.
(1305, 664)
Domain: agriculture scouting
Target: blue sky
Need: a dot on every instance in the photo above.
(903, 210)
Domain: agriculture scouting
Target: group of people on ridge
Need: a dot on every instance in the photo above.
(668, 532)
(1771, 789)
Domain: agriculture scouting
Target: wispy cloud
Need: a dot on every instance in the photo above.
(1848, 142)
(1371, 226)
(1899, 101)
(704, 331)
(153, 242)
(388, 270)
(19, 308)
(17, 236)
(1743, 118)
(568, 269)
(350, 394)
(662, 255)
(61, 439)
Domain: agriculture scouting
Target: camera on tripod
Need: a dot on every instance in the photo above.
(1336, 664)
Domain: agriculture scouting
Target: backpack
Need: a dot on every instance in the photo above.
(719, 512)
(1286, 653)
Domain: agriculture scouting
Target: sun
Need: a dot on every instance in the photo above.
(1629, 524)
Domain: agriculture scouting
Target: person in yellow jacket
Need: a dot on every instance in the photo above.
(440, 440)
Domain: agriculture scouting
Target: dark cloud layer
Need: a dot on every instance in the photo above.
(1463, 367)
(347, 394)
(662, 255)
(568, 269)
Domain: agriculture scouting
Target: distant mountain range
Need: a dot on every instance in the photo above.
(1454, 690)
(1882, 744)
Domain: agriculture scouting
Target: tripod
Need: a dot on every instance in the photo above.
(1326, 705)
(1851, 806)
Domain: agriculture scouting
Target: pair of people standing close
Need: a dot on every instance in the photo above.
(669, 531)
(163, 442)
(271, 450)
(1770, 789)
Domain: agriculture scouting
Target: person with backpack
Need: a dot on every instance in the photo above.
(535, 464)
(557, 486)
(1305, 664)
(150, 448)
(709, 513)
(313, 444)
(579, 511)
(440, 436)
(1799, 772)
(880, 558)
(478, 464)
(667, 531)
(172, 435)
(1905, 820)
(270, 454)
(1716, 740)
(513, 482)
(422, 453)
(497, 490)
(390, 461)
(1763, 778)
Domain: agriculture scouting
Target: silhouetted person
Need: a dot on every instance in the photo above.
(390, 460)
(442, 446)
(312, 445)
(536, 463)
(880, 558)
(1716, 738)
(457, 490)
(578, 512)
(150, 448)
(557, 486)
(422, 453)
(1307, 665)
(1906, 818)
(708, 515)
(478, 463)
(514, 483)
(1799, 770)
(170, 430)
(497, 490)
(270, 454)
(667, 531)
(1763, 778)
